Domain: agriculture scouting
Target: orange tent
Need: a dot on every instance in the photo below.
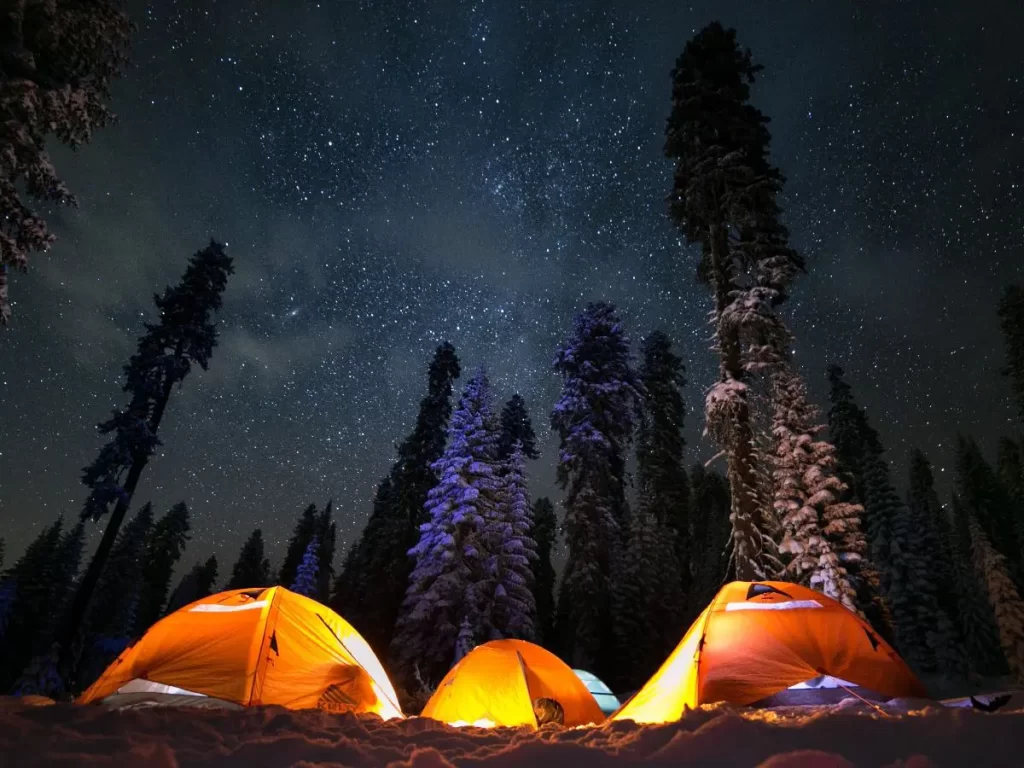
(253, 647)
(495, 685)
(757, 639)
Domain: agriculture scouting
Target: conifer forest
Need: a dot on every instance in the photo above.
(469, 349)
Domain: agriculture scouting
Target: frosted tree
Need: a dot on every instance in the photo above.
(724, 198)
(1004, 598)
(544, 533)
(513, 553)
(647, 600)
(1011, 320)
(449, 598)
(252, 569)
(57, 64)
(594, 420)
(308, 573)
(371, 588)
(184, 335)
(821, 533)
(304, 531)
(661, 471)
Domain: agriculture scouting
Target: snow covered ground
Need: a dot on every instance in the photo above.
(913, 735)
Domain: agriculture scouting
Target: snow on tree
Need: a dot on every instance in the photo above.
(514, 610)
(449, 599)
(303, 533)
(163, 550)
(370, 590)
(252, 569)
(661, 471)
(57, 64)
(516, 427)
(308, 572)
(709, 524)
(594, 420)
(544, 532)
(647, 599)
(1004, 598)
(194, 585)
(185, 335)
(1011, 320)
(821, 533)
(724, 198)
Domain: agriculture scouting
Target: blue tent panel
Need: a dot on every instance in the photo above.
(606, 700)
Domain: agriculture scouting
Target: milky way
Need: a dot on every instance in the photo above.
(388, 175)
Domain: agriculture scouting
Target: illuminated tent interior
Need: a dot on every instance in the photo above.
(761, 643)
(252, 647)
(606, 700)
(496, 683)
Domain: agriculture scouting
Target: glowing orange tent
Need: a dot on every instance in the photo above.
(495, 685)
(253, 647)
(757, 639)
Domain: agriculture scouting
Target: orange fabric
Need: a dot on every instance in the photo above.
(742, 650)
(252, 647)
(495, 685)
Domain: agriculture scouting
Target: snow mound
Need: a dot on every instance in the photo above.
(907, 735)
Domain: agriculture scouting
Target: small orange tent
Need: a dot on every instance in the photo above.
(757, 639)
(252, 647)
(495, 685)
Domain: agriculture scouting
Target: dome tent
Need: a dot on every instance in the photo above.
(252, 647)
(496, 684)
(606, 700)
(759, 639)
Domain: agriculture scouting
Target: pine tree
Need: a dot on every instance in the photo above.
(710, 532)
(370, 590)
(647, 600)
(194, 585)
(64, 574)
(252, 569)
(516, 426)
(31, 578)
(1010, 463)
(450, 597)
(57, 64)
(163, 550)
(185, 335)
(821, 533)
(115, 609)
(303, 533)
(307, 574)
(976, 619)
(514, 612)
(851, 433)
(661, 471)
(594, 419)
(327, 537)
(545, 534)
(1011, 319)
(1004, 598)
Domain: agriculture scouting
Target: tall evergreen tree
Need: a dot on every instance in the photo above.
(1004, 598)
(371, 589)
(1010, 464)
(545, 534)
(516, 427)
(594, 420)
(724, 198)
(303, 533)
(647, 599)
(252, 569)
(115, 609)
(661, 471)
(327, 537)
(163, 551)
(307, 575)
(514, 611)
(852, 435)
(977, 621)
(1011, 319)
(194, 585)
(710, 532)
(30, 582)
(185, 335)
(450, 595)
(57, 64)
(821, 533)
(936, 533)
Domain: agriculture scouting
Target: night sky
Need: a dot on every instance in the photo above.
(388, 175)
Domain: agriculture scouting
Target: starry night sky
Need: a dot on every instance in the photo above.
(388, 175)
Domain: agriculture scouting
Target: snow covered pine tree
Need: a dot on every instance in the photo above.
(307, 574)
